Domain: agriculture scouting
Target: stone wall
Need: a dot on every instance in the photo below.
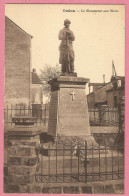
(108, 187)
(22, 158)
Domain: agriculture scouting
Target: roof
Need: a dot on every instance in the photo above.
(97, 84)
(35, 78)
(100, 94)
(118, 77)
(18, 26)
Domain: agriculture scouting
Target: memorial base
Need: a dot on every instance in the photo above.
(68, 113)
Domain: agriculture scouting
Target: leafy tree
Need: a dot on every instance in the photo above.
(48, 73)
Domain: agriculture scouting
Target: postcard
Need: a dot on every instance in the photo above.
(64, 90)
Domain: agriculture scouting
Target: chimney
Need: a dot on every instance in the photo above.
(104, 78)
(34, 70)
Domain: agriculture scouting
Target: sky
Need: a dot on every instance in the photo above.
(99, 35)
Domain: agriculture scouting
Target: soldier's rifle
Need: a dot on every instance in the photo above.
(68, 58)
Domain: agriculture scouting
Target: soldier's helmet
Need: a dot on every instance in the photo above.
(67, 21)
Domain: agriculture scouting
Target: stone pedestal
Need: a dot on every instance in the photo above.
(68, 114)
(22, 158)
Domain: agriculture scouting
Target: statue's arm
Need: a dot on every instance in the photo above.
(62, 35)
(71, 36)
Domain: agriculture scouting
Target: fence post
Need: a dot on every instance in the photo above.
(63, 160)
(71, 161)
(11, 114)
(85, 161)
(45, 112)
(105, 160)
(78, 161)
(49, 163)
(99, 162)
(7, 113)
(56, 161)
(100, 115)
(121, 114)
(119, 110)
(92, 162)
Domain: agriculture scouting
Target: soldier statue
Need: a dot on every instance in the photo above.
(66, 48)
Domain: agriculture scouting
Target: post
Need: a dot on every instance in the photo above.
(49, 163)
(100, 115)
(78, 162)
(63, 160)
(99, 162)
(121, 114)
(11, 115)
(71, 160)
(56, 161)
(85, 161)
(92, 162)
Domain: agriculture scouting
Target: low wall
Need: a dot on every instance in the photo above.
(108, 187)
(104, 129)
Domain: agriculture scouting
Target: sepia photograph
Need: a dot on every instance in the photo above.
(64, 99)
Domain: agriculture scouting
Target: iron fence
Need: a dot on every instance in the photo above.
(104, 116)
(41, 114)
(79, 163)
(97, 116)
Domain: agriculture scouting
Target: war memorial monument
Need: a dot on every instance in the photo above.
(68, 114)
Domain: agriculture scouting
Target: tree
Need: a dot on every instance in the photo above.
(48, 73)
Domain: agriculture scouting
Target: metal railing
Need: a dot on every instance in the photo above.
(22, 110)
(79, 163)
(97, 117)
(104, 116)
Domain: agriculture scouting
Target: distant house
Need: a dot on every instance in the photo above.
(107, 94)
(117, 92)
(36, 89)
(91, 96)
(17, 64)
(36, 94)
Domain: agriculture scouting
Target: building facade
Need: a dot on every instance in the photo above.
(17, 64)
(107, 94)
